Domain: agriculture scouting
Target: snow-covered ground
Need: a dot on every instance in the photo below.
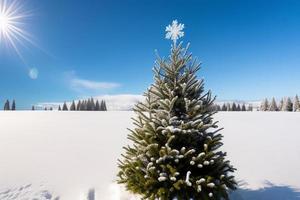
(44, 155)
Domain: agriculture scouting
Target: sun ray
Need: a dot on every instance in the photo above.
(12, 24)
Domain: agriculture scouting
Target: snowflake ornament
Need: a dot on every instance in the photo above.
(174, 31)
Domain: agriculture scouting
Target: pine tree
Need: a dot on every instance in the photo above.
(73, 107)
(97, 106)
(83, 105)
(65, 107)
(32, 108)
(103, 106)
(6, 105)
(250, 107)
(264, 105)
(224, 107)
(238, 108)
(273, 105)
(228, 107)
(59, 108)
(288, 105)
(281, 105)
(13, 105)
(88, 106)
(176, 142)
(296, 104)
(234, 108)
(243, 107)
(93, 104)
(78, 105)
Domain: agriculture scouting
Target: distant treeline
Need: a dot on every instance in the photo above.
(7, 105)
(82, 105)
(232, 107)
(285, 104)
(85, 105)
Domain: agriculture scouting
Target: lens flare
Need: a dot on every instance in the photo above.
(12, 24)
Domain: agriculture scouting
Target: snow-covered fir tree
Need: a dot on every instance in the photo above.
(65, 107)
(103, 106)
(13, 105)
(296, 104)
(250, 107)
(288, 105)
(238, 108)
(73, 106)
(175, 151)
(224, 107)
(273, 105)
(228, 107)
(92, 104)
(83, 105)
(264, 105)
(6, 105)
(281, 105)
(78, 105)
(59, 108)
(97, 106)
(234, 107)
(243, 107)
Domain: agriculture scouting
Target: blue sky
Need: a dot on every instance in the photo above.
(249, 49)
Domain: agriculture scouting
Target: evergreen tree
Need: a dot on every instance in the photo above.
(83, 105)
(89, 105)
(92, 104)
(243, 107)
(65, 107)
(13, 105)
(175, 151)
(51, 108)
(97, 106)
(273, 105)
(250, 107)
(59, 108)
(296, 104)
(281, 105)
(103, 106)
(264, 105)
(224, 107)
(234, 108)
(238, 108)
(32, 108)
(73, 107)
(228, 107)
(6, 105)
(78, 105)
(288, 105)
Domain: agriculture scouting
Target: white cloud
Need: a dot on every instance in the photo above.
(121, 101)
(79, 84)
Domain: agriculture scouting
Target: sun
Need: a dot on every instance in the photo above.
(4, 23)
(12, 24)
